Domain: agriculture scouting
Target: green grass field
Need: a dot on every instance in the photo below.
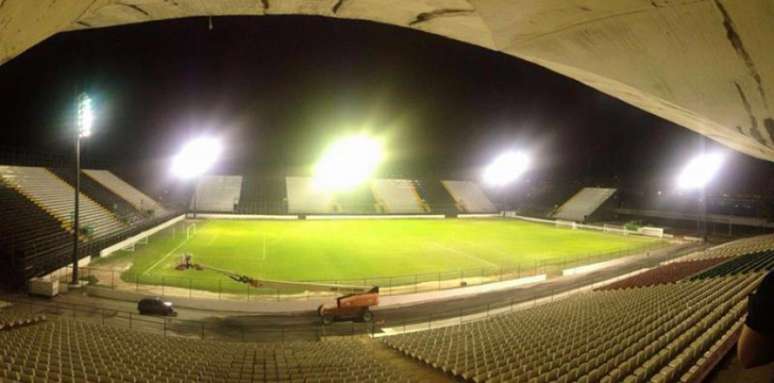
(340, 250)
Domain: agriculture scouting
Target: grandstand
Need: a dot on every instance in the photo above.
(56, 197)
(262, 195)
(583, 204)
(219, 194)
(36, 214)
(129, 193)
(398, 196)
(468, 197)
(305, 197)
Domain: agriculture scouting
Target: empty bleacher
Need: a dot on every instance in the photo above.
(359, 200)
(31, 241)
(583, 204)
(11, 318)
(668, 273)
(62, 349)
(436, 196)
(305, 197)
(219, 194)
(262, 195)
(56, 197)
(96, 191)
(747, 263)
(398, 196)
(657, 334)
(469, 197)
(126, 191)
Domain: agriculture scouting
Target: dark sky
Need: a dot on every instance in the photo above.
(277, 89)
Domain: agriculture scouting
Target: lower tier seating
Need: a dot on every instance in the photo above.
(65, 350)
(671, 272)
(656, 334)
(752, 262)
(11, 318)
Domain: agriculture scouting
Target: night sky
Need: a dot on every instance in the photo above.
(278, 89)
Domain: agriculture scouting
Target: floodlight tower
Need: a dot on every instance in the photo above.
(84, 123)
(196, 158)
(506, 168)
(696, 176)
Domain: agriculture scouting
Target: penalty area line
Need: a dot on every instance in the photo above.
(164, 257)
(436, 244)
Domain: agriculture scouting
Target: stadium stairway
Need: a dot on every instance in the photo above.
(436, 196)
(103, 196)
(55, 196)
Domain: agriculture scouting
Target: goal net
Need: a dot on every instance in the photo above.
(566, 224)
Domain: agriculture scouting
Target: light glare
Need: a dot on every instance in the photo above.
(85, 116)
(348, 162)
(700, 171)
(196, 157)
(506, 168)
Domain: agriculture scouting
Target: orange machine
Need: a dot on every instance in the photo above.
(355, 306)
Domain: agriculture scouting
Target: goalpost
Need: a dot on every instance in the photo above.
(190, 231)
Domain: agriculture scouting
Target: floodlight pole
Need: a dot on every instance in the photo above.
(76, 207)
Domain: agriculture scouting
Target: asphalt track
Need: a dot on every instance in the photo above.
(306, 326)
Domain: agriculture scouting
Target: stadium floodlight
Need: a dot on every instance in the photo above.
(196, 157)
(700, 171)
(85, 115)
(506, 168)
(348, 162)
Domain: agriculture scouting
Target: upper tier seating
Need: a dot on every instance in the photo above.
(218, 194)
(398, 196)
(29, 235)
(96, 191)
(658, 333)
(56, 197)
(72, 351)
(583, 204)
(668, 273)
(469, 197)
(752, 262)
(128, 192)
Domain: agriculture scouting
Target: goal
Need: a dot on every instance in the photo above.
(566, 224)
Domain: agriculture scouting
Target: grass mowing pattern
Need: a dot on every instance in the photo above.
(341, 250)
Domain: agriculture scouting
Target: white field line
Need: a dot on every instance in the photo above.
(164, 257)
(263, 256)
(214, 237)
(436, 244)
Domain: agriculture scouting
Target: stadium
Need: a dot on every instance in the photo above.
(365, 208)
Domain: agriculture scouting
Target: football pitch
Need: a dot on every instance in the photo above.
(349, 250)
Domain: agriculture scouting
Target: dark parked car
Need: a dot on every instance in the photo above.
(155, 306)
